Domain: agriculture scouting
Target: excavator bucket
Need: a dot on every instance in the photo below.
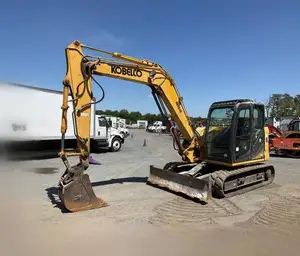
(78, 195)
(193, 187)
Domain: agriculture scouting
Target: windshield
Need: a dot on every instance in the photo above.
(220, 120)
(103, 122)
(221, 117)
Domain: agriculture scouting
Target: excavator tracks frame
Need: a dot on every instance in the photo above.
(228, 183)
(204, 181)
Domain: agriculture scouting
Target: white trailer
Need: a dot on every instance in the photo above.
(34, 114)
(142, 123)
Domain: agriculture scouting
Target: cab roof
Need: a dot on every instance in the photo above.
(232, 103)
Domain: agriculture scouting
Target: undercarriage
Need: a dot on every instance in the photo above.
(202, 181)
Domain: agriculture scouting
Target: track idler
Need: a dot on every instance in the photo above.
(76, 192)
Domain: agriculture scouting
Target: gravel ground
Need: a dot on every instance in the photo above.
(140, 218)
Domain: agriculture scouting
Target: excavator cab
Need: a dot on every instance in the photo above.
(235, 147)
(235, 132)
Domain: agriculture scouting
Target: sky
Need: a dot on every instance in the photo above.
(215, 50)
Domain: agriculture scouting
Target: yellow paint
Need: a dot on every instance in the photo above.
(75, 83)
(266, 153)
(166, 89)
(200, 130)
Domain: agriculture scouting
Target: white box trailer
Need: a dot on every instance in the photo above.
(34, 114)
(142, 123)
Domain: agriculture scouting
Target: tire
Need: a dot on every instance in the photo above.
(116, 144)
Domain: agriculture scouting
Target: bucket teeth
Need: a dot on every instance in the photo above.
(78, 195)
(197, 188)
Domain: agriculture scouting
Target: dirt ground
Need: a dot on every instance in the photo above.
(143, 220)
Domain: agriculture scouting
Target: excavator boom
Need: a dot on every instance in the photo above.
(191, 176)
(74, 187)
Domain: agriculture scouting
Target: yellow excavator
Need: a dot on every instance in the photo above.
(225, 158)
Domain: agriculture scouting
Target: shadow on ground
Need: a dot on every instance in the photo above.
(44, 170)
(36, 154)
(272, 155)
(52, 192)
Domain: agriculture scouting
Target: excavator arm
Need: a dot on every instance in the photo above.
(78, 83)
(81, 69)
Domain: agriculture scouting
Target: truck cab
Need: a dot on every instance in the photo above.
(119, 124)
(106, 136)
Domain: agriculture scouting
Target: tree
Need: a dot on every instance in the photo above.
(123, 114)
(297, 104)
(280, 105)
(136, 115)
(267, 105)
(274, 105)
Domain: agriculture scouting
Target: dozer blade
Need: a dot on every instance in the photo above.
(78, 195)
(199, 188)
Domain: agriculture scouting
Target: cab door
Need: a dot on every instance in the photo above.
(258, 132)
(242, 146)
(101, 130)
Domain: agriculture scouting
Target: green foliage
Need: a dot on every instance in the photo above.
(198, 119)
(280, 105)
(136, 115)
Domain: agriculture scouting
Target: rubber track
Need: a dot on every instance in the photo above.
(219, 177)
